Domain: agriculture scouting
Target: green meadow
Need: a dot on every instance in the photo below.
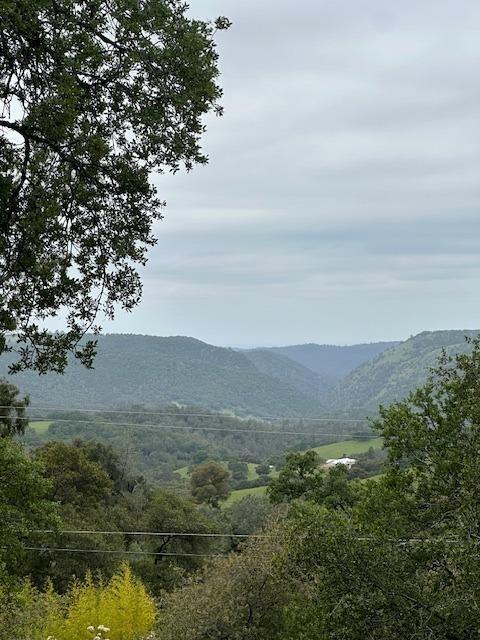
(40, 426)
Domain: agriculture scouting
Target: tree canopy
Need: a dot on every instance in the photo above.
(394, 558)
(210, 483)
(24, 501)
(13, 418)
(94, 96)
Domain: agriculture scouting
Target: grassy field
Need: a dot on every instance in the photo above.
(40, 426)
(334, 450)
(347, 448)
(241, 493)
(182, 472)
(377, 477)
(252, 474)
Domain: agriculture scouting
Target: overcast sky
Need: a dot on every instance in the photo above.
(341, 201)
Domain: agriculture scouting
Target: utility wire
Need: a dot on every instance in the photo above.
(197, 415)
(400, 542)
(171, 534)
(233, 535)
(121, 552)
(205, 428)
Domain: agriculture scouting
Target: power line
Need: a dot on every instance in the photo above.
(232, 535)
(205, 428)
(198, 415)
(399, 542)
(171, 534)
(121, 552)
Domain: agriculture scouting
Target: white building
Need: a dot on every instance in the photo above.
(348, 462)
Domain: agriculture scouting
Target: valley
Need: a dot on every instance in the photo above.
(282, 382)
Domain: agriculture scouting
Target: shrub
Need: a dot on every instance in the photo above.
(123, 605)
(118, 610)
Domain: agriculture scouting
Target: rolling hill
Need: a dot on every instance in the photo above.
(332, 361)
(397, 371)
(282, 368)
(155, 371)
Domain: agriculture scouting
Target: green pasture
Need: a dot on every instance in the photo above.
(347, 447)
(40, 426)
(241, 493)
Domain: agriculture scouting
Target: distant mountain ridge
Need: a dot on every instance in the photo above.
(331, 360)
(153, 371)
(289, 371)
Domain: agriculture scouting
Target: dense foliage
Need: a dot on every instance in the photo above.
(399, 561)
(24, 502)
(13, 418)
(395, 557)
(396, 372)
(157, 444)
(236, 598)
(121, 609)
(94, 96)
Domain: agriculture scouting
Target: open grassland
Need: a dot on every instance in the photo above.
(375, 478)
(347, 448)
(40, 426)
(252, 474)
(183, 472)
(241, 493)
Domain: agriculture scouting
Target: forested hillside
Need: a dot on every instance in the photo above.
(154, 371)
(332, 361)
(290, 371)
(397, 371)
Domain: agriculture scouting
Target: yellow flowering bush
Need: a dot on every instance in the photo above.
(119, 610)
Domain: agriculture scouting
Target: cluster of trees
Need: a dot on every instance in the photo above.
(395, 558)
(368, 464)
(152, 449)
(84, 486)
(60, 497)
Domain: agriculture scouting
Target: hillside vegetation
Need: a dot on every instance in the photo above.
(397, 371)
(285, 369)
(332, 361)
(156, 444)
(155, 371)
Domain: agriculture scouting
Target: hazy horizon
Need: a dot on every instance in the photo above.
(289, 344)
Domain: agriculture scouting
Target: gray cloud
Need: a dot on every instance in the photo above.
(341, 199)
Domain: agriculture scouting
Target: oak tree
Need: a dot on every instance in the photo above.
(210, 483)
(95, 95)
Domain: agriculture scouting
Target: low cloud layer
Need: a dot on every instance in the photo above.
(341, 199)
